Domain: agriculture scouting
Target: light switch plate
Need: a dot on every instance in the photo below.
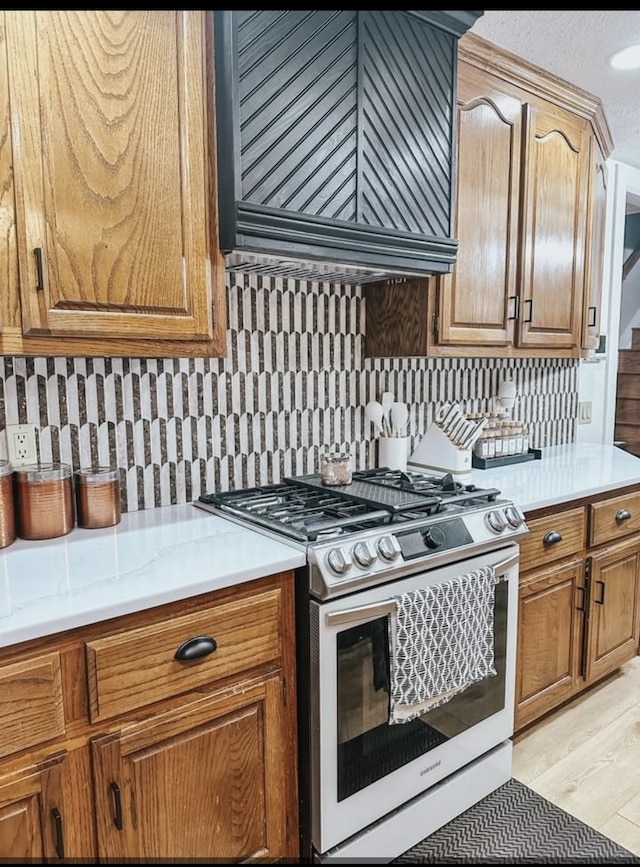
(21, 444)
(584, 412)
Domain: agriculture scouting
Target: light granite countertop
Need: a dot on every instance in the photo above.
(564, 473)
(151, 557)
(163, 555)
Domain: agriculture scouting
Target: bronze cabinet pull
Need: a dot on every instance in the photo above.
(39, 279)
(529, 301)
(117, 802)
(516, 306)
(57, 818)
(196, 648)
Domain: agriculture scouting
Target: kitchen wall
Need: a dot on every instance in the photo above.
(295, 380)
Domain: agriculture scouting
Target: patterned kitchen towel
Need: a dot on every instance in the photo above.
(440, 642)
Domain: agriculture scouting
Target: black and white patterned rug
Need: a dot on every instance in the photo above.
(514, 824)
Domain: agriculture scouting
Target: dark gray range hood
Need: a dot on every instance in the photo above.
(336, 142)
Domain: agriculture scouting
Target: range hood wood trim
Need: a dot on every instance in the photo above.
(303, 236)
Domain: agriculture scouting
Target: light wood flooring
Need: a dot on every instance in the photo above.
(585, 757)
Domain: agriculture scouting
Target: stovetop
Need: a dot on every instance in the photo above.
(305, 509)
(383, 524)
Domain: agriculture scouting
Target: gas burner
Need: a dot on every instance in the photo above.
(306, 510)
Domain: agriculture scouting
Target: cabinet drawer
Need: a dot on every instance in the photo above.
(552, 538)
(612, 519)
(138, 667)
(31, 710)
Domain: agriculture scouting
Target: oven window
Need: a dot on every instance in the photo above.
(368, 747)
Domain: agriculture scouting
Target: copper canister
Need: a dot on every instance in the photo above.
(98, 497)
(7, 520)
(44, 500)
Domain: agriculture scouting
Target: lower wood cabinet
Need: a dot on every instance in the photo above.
(202, 767)
(612, 621)
(205, 781)
(579, 611)
(32, 812)
(550, 634)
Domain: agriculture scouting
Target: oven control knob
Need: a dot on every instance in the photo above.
(363, 554)
(388, 547)
(339, 561)
(433, 537)
(514, 517)
(496, 522)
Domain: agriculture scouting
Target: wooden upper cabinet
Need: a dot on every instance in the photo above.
(523, 211)
(555, 220)
(8, 251)
(594, 281)
(527, 238)
(478, 300)
(113, 143)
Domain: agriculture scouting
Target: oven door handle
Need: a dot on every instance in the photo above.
(388, 606)
(505, 566)
(361, 612)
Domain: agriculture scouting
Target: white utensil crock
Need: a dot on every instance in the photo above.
(392, 452)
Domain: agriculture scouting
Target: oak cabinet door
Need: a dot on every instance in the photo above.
(32, 813)
(613, 609)
(207, 780)
(478, 300)
(555, 221)
(550, 634)
(110, 133)
(591, 313)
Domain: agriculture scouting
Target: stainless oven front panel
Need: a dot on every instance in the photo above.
(348, 714)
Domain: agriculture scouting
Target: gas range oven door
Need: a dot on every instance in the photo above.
(363, 767)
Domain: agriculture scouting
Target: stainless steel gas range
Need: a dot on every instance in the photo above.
(370, 789)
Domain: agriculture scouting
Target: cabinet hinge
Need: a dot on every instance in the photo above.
(587, 568)
(285, 692)
(213, 313)
(436, 325)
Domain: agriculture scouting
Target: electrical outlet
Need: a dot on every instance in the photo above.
(21, 444)
(584, 412)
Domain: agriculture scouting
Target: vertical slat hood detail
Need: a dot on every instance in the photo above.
(336, 141)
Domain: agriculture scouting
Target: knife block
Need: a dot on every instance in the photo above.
(437, 454)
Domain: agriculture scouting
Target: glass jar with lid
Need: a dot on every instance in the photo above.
(335, 468)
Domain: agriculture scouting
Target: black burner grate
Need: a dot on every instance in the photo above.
(305, 509)
(444, 487)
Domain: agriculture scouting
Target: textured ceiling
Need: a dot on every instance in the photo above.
(576, 46)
